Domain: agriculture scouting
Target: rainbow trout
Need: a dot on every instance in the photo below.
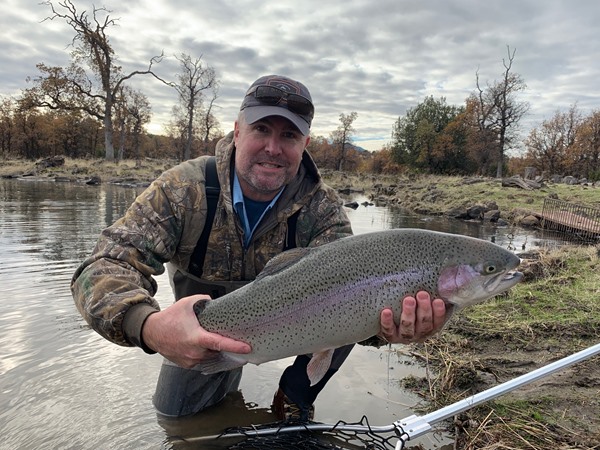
(313, 300)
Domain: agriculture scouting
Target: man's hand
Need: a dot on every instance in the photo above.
(176, 334)
(420, 319)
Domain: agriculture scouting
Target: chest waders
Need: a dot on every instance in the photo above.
(181, 392)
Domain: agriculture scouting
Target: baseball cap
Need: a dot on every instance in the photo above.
(277, 95)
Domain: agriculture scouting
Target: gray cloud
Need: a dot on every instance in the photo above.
(376, 58)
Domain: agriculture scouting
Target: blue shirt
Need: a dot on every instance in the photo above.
(250, 211)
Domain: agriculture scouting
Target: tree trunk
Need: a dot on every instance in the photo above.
(188, 145)
(109, 150)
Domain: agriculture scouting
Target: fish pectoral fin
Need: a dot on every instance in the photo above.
(318, 365)
(221, 362)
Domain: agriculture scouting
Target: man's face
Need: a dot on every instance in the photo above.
(268, 155)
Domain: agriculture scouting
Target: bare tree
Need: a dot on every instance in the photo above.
(342, 136)
(74, 88)
(210, 125)
(132, 113)
(194, 78)
(499, 111)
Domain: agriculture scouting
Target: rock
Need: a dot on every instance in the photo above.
(491, 216)
(530, 221)
(457, 213)
(93, 181)
(352, 205)
(492, 205)
(476, 212)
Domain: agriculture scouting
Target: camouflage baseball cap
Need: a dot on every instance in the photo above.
(276, 95)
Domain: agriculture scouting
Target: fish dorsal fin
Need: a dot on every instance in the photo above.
(283, 261)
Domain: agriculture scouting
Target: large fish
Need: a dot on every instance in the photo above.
(313, 300)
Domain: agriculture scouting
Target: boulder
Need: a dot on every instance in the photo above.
(530, 221)
(491, 216)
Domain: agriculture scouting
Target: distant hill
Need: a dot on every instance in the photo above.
(357, 148)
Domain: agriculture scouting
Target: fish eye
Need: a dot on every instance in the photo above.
(489, 267)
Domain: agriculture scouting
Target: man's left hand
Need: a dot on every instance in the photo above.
(421, 318)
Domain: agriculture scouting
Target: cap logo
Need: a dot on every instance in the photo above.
(284, 85)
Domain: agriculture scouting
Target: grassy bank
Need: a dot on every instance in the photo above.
(552, 314)
(438, 195)
(81, 170)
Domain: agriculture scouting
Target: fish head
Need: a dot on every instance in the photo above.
(469, 283)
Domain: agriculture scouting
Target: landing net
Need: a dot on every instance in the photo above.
(317, 436)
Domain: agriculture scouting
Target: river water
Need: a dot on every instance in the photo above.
(62, 386)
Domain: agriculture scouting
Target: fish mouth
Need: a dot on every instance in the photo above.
(502, 281)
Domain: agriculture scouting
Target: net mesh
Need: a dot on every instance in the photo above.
(338, 437)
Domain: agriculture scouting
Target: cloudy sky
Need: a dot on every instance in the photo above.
(377, 58)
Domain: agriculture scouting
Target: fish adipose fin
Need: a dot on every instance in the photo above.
(318, 366)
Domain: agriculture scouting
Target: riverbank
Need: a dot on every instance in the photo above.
(553, 313)
(459, 197)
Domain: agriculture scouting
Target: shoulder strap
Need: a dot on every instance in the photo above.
(290, 241)
(212, 189)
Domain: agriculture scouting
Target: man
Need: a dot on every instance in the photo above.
(271, 198)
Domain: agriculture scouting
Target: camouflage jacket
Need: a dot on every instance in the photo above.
(113, 289)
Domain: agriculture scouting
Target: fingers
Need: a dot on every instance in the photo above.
(408, 319)
(439, 314)
(424, 317)
(420, 318)
(218, 343)
(388, 328)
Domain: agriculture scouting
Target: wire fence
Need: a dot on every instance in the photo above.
(576, 222)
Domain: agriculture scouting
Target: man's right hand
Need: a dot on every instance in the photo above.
(176, 334)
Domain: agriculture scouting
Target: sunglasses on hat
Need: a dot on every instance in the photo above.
(271, 95)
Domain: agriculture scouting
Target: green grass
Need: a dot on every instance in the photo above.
(562, 296)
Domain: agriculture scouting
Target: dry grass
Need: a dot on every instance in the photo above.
(81, 169)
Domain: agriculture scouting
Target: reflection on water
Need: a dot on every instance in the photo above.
(63, 386)
(370, 218)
